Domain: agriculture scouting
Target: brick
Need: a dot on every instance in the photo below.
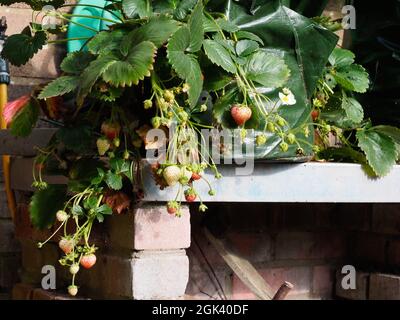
(361, 291)
(20, 86)
(255, 247)
(23, 227)
(33, 258)
(353, 216)
(203, 286)
(26, 231)
(295, 245)
(4, 212)
(300, 277)
(297, 217)
(40, 294)
(149, 227)
(8, 243)
(22, 291)
(323, 280)
(116, 276)
(45, 63)
(330, 245)
(368, 249)
(384, 287)
(393, 253)
(160, 275)
(385, 218)
(259, 217)
(9, 267)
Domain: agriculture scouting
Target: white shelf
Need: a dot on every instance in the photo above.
(291, 183)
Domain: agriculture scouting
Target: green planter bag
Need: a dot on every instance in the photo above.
(305, 48)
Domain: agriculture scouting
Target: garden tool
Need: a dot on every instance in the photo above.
(4, 82)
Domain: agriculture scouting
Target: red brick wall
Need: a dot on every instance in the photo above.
(303, 244)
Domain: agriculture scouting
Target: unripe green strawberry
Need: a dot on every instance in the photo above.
(169, 96)
(126, 155)
(284, 146)
(74, 269)
(307, 132)
(184, 116)
(186, 175)
(261, 139)
(280, 121)
(291, 138)
(73, 290)
(203, 208)
(103, 145)
(156, 122)
(147, 104)
(61, 215)
(172, 174)
(271, 127)
(116, 142)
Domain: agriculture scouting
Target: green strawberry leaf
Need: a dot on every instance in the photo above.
(91, 75)
(249, 36)
(219, 55)
(183, 8)
(59, 87)
(341, 58)
(353, 78)
(379, 149)
(392, 132)
(132, 68)
(185, 65)
(354, 110)
(25, 120)
(76, 62)
(195, 26)
(246, 47)
(45, 204)
(134, 8)
(113, 180)
(158, 30)
(267, 69)
(104, 210)
(20, 48)
(106, 41)
(70, 135)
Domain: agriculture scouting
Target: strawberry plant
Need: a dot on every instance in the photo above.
(179, 67)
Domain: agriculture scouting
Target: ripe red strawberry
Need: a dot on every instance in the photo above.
(111, 130)
(315, 114)
(66, 245)
(172, 207)
(88, 260)
(171, 210)
(240, 114)
(196, 176)
(190, 195)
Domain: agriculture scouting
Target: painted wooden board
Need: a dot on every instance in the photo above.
(11, 145)
(241, 267)
(290, 183)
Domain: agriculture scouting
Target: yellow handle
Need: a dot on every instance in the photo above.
(12, 206)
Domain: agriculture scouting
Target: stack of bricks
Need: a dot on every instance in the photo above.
(141, 256)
